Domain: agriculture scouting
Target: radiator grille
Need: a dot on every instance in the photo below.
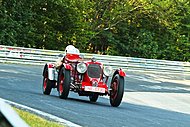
(94, 71)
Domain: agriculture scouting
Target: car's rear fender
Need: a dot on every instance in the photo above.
(51, 71)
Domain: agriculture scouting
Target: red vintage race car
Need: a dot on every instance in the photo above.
(85, 77)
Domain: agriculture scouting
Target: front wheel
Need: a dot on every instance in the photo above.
(64, 83)
(117, 90)
(47, 84)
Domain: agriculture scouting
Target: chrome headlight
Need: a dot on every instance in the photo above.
(81, 67)
(108, 70)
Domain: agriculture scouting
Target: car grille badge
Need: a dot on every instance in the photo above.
(94, 83)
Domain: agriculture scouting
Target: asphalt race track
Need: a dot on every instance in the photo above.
(149, 100)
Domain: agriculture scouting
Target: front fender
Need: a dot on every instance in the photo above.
(120, 72)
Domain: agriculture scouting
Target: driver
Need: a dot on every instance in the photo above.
(71, 53)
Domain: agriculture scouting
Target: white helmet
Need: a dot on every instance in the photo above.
(70, 49)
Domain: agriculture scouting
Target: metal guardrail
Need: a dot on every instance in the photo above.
(40, 57)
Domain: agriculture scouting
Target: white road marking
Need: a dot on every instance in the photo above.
(157, 87)
(152, 78)
(184, 82)
(143, 79)
(9, 71)
(47, 115)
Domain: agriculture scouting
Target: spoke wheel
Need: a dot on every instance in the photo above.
(64, 83)
(116, 94)
(47, 84)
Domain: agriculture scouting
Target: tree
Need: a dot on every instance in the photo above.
(138, 28)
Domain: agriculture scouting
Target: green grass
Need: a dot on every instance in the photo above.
(35, 121)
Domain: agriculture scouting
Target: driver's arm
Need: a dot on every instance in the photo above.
(59, 61)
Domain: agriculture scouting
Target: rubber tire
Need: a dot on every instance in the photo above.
(93, 98)
(49, 84)
(116, 101)
(65, 84)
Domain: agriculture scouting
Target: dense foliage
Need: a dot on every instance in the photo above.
(158, 29)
